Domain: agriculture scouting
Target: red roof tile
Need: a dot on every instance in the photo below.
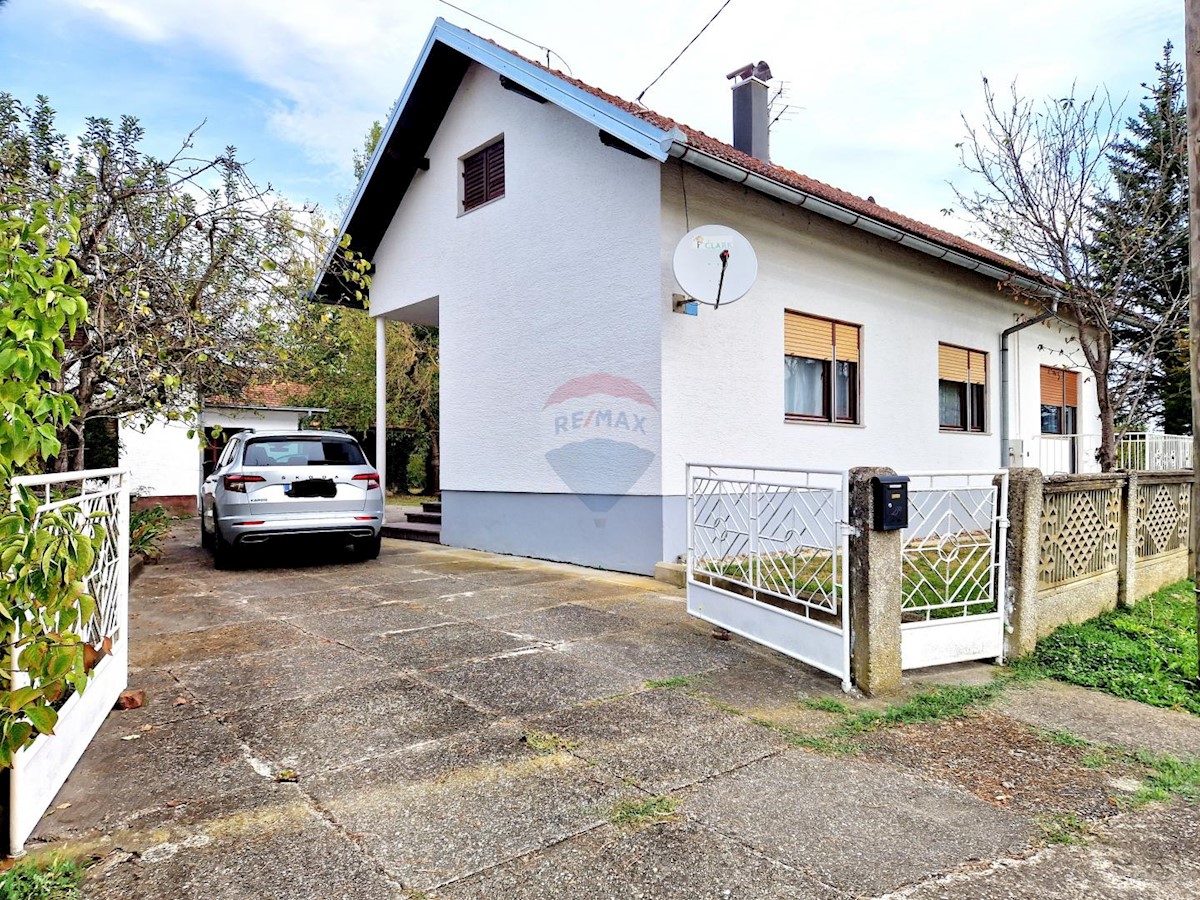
(275, 393)
(867, 208)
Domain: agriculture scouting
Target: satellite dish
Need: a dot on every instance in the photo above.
(714, 264)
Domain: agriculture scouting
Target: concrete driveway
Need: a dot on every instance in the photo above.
(454, 724)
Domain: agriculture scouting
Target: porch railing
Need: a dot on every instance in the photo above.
(1148, 451)
(1067, 454)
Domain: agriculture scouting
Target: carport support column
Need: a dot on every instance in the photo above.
(875, 592)
(381, 402)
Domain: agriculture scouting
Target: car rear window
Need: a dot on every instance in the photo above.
(303, 452)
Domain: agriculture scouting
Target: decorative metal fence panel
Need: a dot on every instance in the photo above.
(1080, 533)
(767, 551)
(1163, 514)
(39, 770)
(1148, 451)
(952, 568)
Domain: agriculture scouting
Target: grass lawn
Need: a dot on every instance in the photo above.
(409, 499)
(1147, 653)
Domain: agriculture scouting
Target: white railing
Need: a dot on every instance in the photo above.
(39, 770)
(952, 570)
(1148, 451)
(767, 551)
(1067, 454)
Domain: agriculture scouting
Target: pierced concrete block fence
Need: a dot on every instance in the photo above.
(1080, 545)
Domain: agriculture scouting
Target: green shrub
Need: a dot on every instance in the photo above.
(146, 530)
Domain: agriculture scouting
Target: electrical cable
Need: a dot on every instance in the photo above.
(467, 12)
(681, 52)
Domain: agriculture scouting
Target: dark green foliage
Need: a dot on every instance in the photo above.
(1147, 653)
(1142, 248)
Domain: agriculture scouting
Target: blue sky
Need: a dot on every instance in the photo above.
(877, 86)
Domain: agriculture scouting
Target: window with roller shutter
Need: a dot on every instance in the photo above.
(820, 358)
(962, 389)
(1060, 400)
(483, 176)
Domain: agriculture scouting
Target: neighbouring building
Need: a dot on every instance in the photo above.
(532, 219)
(167, 461)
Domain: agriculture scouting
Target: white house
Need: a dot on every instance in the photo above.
(167, 464)
(533, 219)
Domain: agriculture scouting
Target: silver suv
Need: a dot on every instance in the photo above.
(273, 484)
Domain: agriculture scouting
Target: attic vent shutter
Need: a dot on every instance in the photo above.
(483, 176)
(811, 338)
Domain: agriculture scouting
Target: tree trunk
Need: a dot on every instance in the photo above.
(433, 464)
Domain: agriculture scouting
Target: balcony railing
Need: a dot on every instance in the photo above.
(1067, 454)
(1148, 451)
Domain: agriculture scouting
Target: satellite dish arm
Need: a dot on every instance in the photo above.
(721, 281)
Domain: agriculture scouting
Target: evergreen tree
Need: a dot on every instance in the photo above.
(1147, 211)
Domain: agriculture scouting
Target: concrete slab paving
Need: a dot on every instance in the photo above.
(661, 740)
(1151, 855)
(680, 861)
(259, 679)
(450, 808)
(128, 771)
(862, 828)
(317, 733)
(407, 700)
(654, 655)
(531, 682)
(217, 642)
(1103, 718)
(285, 850)
(566, 622)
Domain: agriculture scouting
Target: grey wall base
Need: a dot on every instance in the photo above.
(619, 533)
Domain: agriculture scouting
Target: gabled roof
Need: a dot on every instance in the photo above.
(444, 59)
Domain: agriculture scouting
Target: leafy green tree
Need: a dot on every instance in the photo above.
(1146, 216)
(44, 558)
(188, 268)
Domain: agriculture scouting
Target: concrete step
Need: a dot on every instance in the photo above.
(432, 506)
(425, 518)
(413, 531)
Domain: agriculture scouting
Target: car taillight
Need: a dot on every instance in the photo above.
(238, 482)
(371, 478)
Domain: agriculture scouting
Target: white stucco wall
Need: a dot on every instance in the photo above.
(557, 280)
(164, 462)
(723, 371)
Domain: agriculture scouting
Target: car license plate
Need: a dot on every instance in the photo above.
(312, 487)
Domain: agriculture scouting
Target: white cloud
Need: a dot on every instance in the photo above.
(878, 85)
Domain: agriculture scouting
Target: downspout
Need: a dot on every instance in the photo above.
(1005, 440)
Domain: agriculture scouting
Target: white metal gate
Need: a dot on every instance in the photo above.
(39, 770)
(953, 568)
(767, 551)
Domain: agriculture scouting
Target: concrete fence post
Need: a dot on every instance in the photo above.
(875, 592)
(1127, 547)
(1022, 558)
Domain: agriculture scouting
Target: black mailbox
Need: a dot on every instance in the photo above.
(891, 502)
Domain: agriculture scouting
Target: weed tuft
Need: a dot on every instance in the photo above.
(826, 704)
(547, 742)
(677, 681)
(1066, 739)
(1063, 828)
(42, 879)
(634, 814)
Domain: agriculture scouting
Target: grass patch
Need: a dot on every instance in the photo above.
(677, 681)
(1066, 739)
(827, 704)
(635, 814)
(1094, 759)
(42, 879)
(548, 742)
(1062, 828)
(934, 705)
(1147, 653)
(1168, 777)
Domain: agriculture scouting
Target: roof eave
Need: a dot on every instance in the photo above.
(685, 152)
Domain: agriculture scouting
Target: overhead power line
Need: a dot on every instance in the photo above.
(681, 52)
